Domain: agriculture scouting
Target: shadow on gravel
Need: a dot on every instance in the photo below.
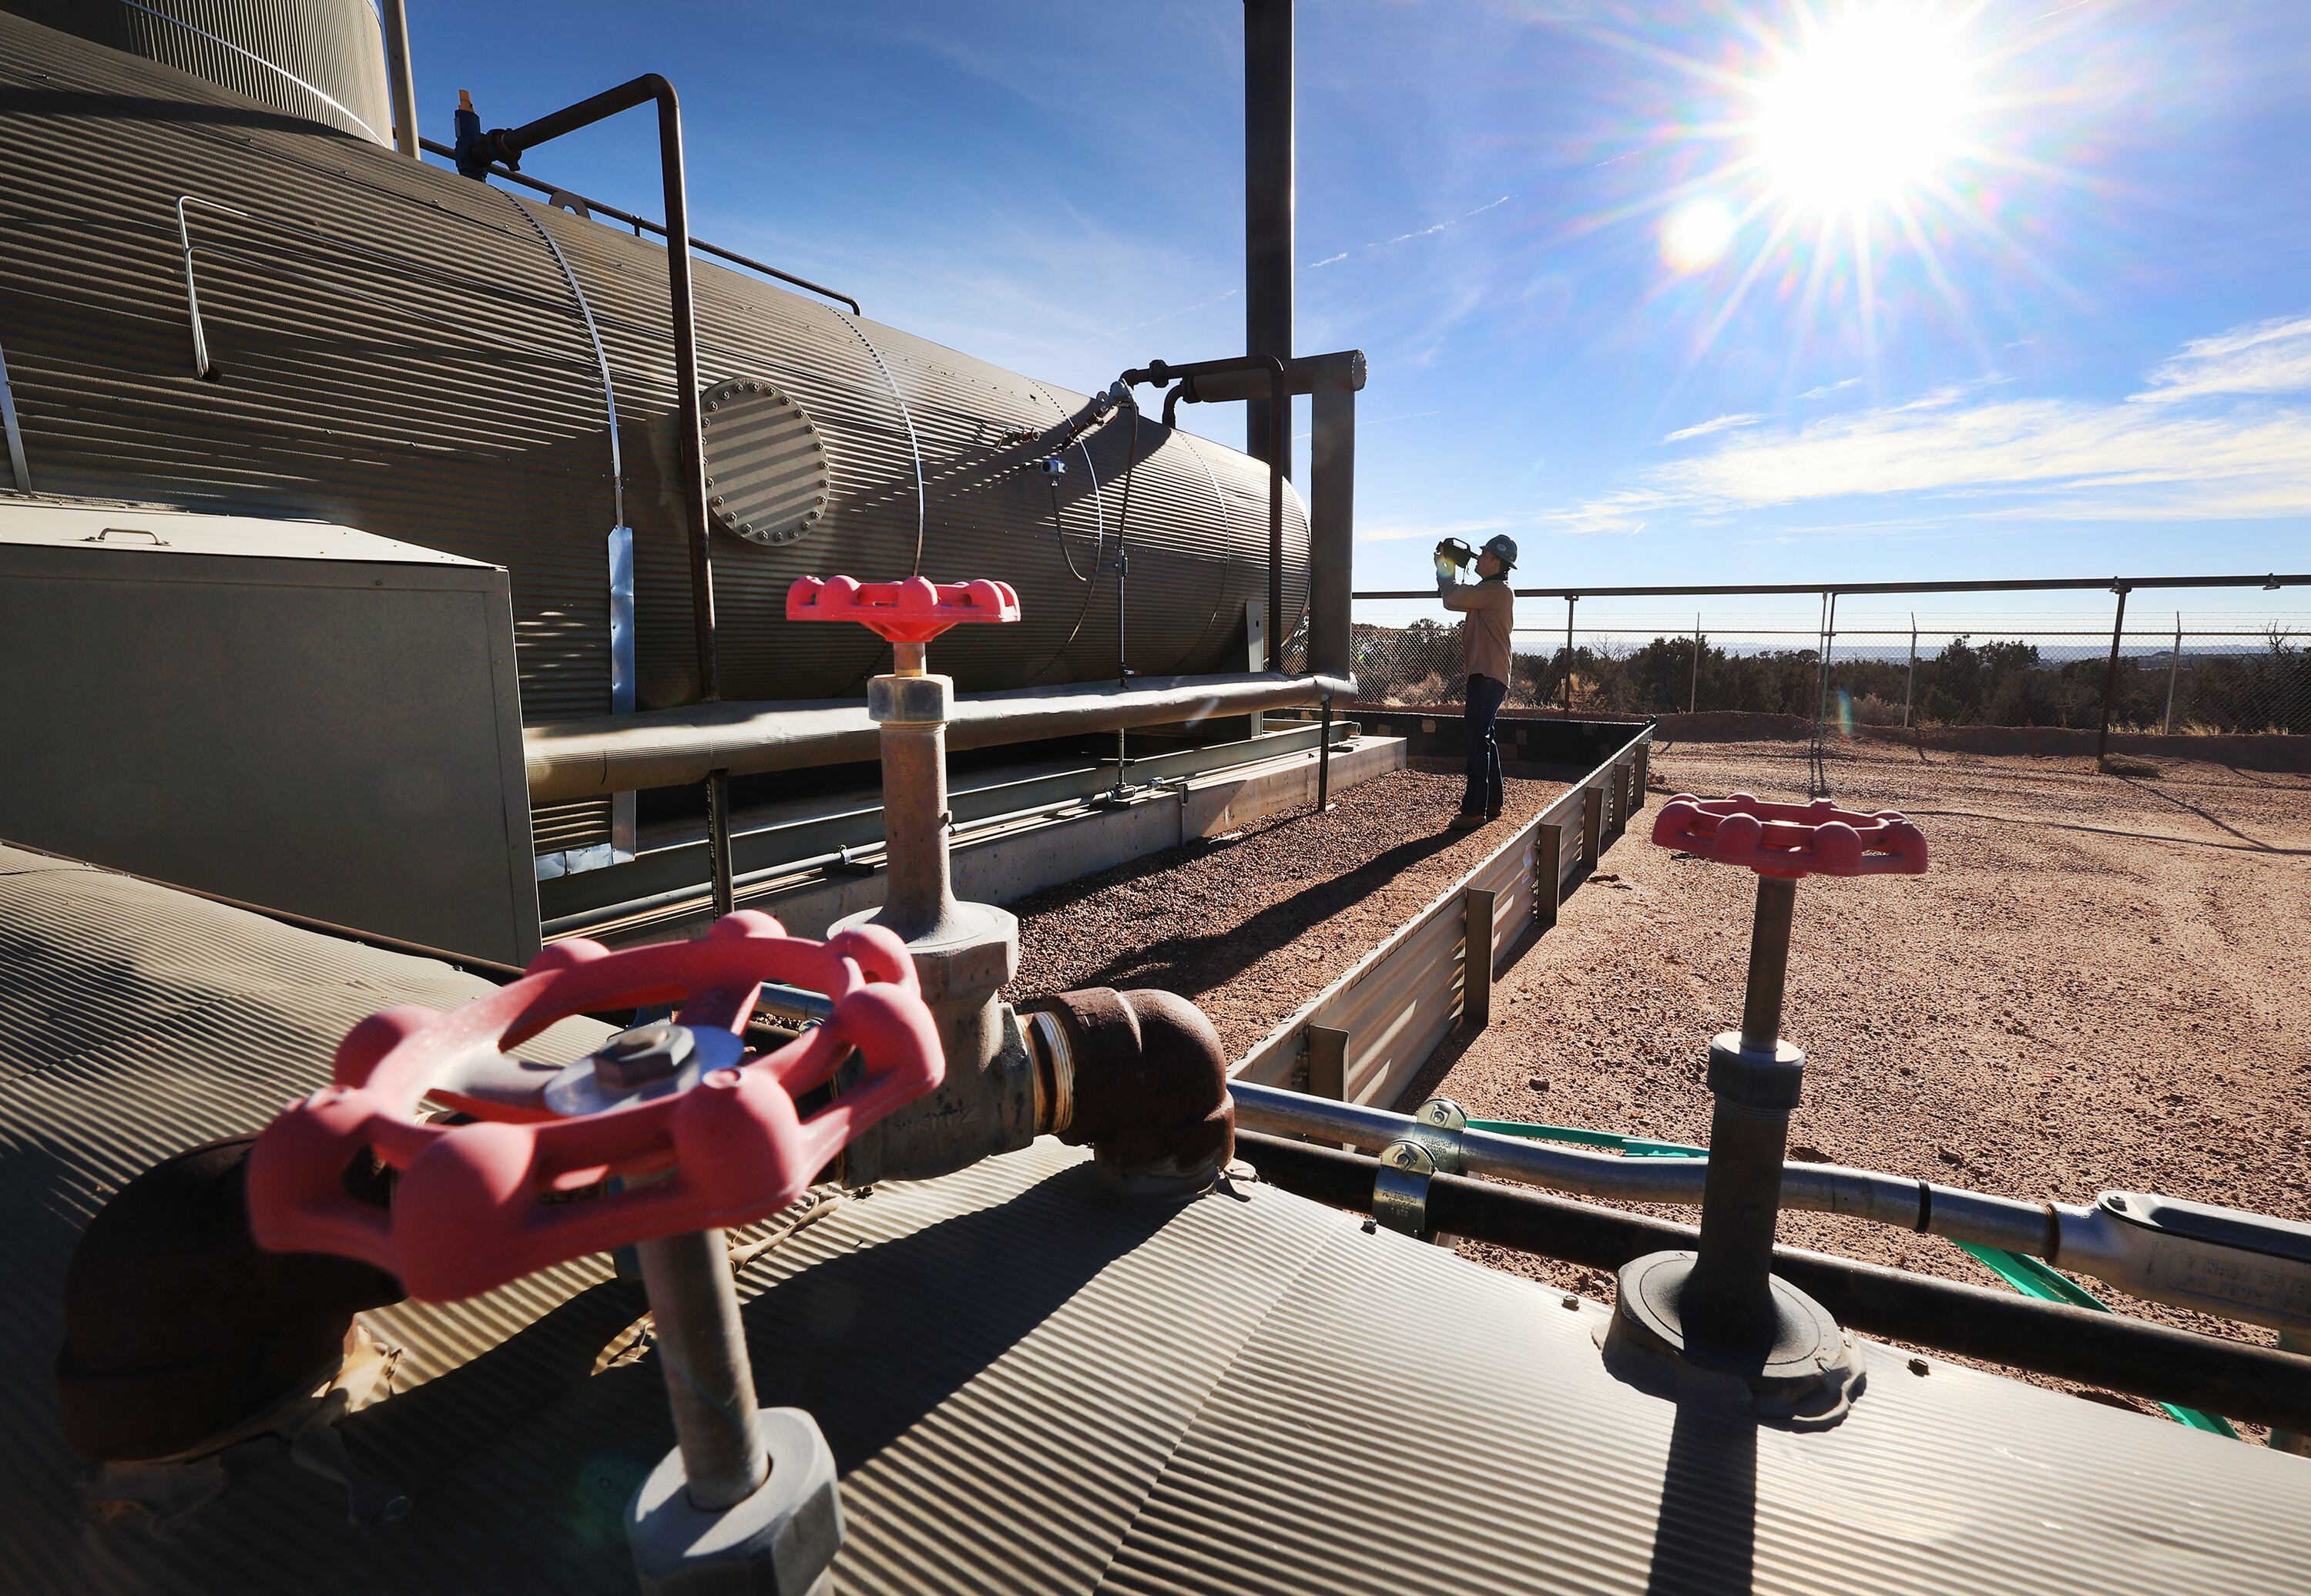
(1193, 965)
(2219, 824)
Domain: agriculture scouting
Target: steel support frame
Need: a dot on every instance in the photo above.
(1270, 202)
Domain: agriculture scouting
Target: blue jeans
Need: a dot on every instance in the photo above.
(1484, 703)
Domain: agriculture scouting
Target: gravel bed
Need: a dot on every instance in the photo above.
(1254, 924)
(2098, 985)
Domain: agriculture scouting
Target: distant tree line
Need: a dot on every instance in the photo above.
(2264, 689)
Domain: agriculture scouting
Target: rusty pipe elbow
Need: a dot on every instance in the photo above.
(179, 1330)
(1138, 1075)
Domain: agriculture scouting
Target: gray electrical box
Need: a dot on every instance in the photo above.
(292, 713)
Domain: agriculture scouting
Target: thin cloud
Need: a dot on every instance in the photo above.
(1406, 238)
(2042, 459)
(1219, 298)
(1723, 423)
(1827, 388)
(2270, 357)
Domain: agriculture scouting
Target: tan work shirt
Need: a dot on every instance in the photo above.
(1491, 609)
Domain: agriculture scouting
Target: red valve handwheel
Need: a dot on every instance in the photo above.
(913, 611)
(1791, 839)
(479, 1204)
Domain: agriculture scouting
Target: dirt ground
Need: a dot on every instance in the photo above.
(2098, 985)
(1253, 925)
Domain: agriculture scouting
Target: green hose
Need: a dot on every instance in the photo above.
(1628, 1146)
(2027, 1275)
(2035, 1278)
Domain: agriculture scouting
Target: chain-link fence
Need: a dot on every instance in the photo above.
(2232, 672)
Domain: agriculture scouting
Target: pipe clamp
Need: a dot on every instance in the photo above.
(1436, 1126)
(1399, 1198)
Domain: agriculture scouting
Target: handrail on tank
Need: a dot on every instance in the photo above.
(204, 367)
(641, 224)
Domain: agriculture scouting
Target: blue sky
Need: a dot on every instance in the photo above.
(2043, 310)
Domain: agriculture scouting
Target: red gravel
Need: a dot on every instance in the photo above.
(2098, 985)
(1253, 926)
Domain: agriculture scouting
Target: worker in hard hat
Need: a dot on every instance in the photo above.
(1490, 607)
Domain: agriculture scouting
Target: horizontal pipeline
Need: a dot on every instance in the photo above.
(2257, 1384)
(581, 759)
(1987, 1221)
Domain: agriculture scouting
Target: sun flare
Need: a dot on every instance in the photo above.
(1864, 112)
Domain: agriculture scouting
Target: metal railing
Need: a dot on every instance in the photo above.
(2171, 672)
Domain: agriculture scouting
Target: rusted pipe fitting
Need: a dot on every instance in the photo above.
(180, 1332)
(1141, 1077)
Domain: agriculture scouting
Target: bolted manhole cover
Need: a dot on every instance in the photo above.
(766, 476)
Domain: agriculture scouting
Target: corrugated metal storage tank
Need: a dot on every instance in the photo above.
(397, 349)
(319, 59)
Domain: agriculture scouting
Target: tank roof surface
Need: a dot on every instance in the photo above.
(1029, 1383)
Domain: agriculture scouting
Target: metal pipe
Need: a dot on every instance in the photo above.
(701, 1349)
(1769, 963)
(401, 88)
(2271, 582)
(1331, 517)
(1281, 398)
(1269, 201)
(1324, 760)
(2258, 1384)
(577, 759)
(1887, 1199)
(1729, 1298)
(1333, 380)
(1279, 393)
(643, 224)
(508, 145)
(2110, 677)
(918, 889)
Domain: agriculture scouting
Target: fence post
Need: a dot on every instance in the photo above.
(2174, 669)
(1477, 959)
(1547, 875)
(1910, 687)
(2110, 674)
(1643, 757)
(1592, 823)
(1328, 1063)
(1816, 770)
(1692, 688)
(1570, 600)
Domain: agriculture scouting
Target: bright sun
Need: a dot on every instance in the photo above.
(1864, 112)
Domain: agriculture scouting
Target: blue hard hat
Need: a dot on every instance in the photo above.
(1502, 547)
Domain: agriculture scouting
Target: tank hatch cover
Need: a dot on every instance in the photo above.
(766, 476)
